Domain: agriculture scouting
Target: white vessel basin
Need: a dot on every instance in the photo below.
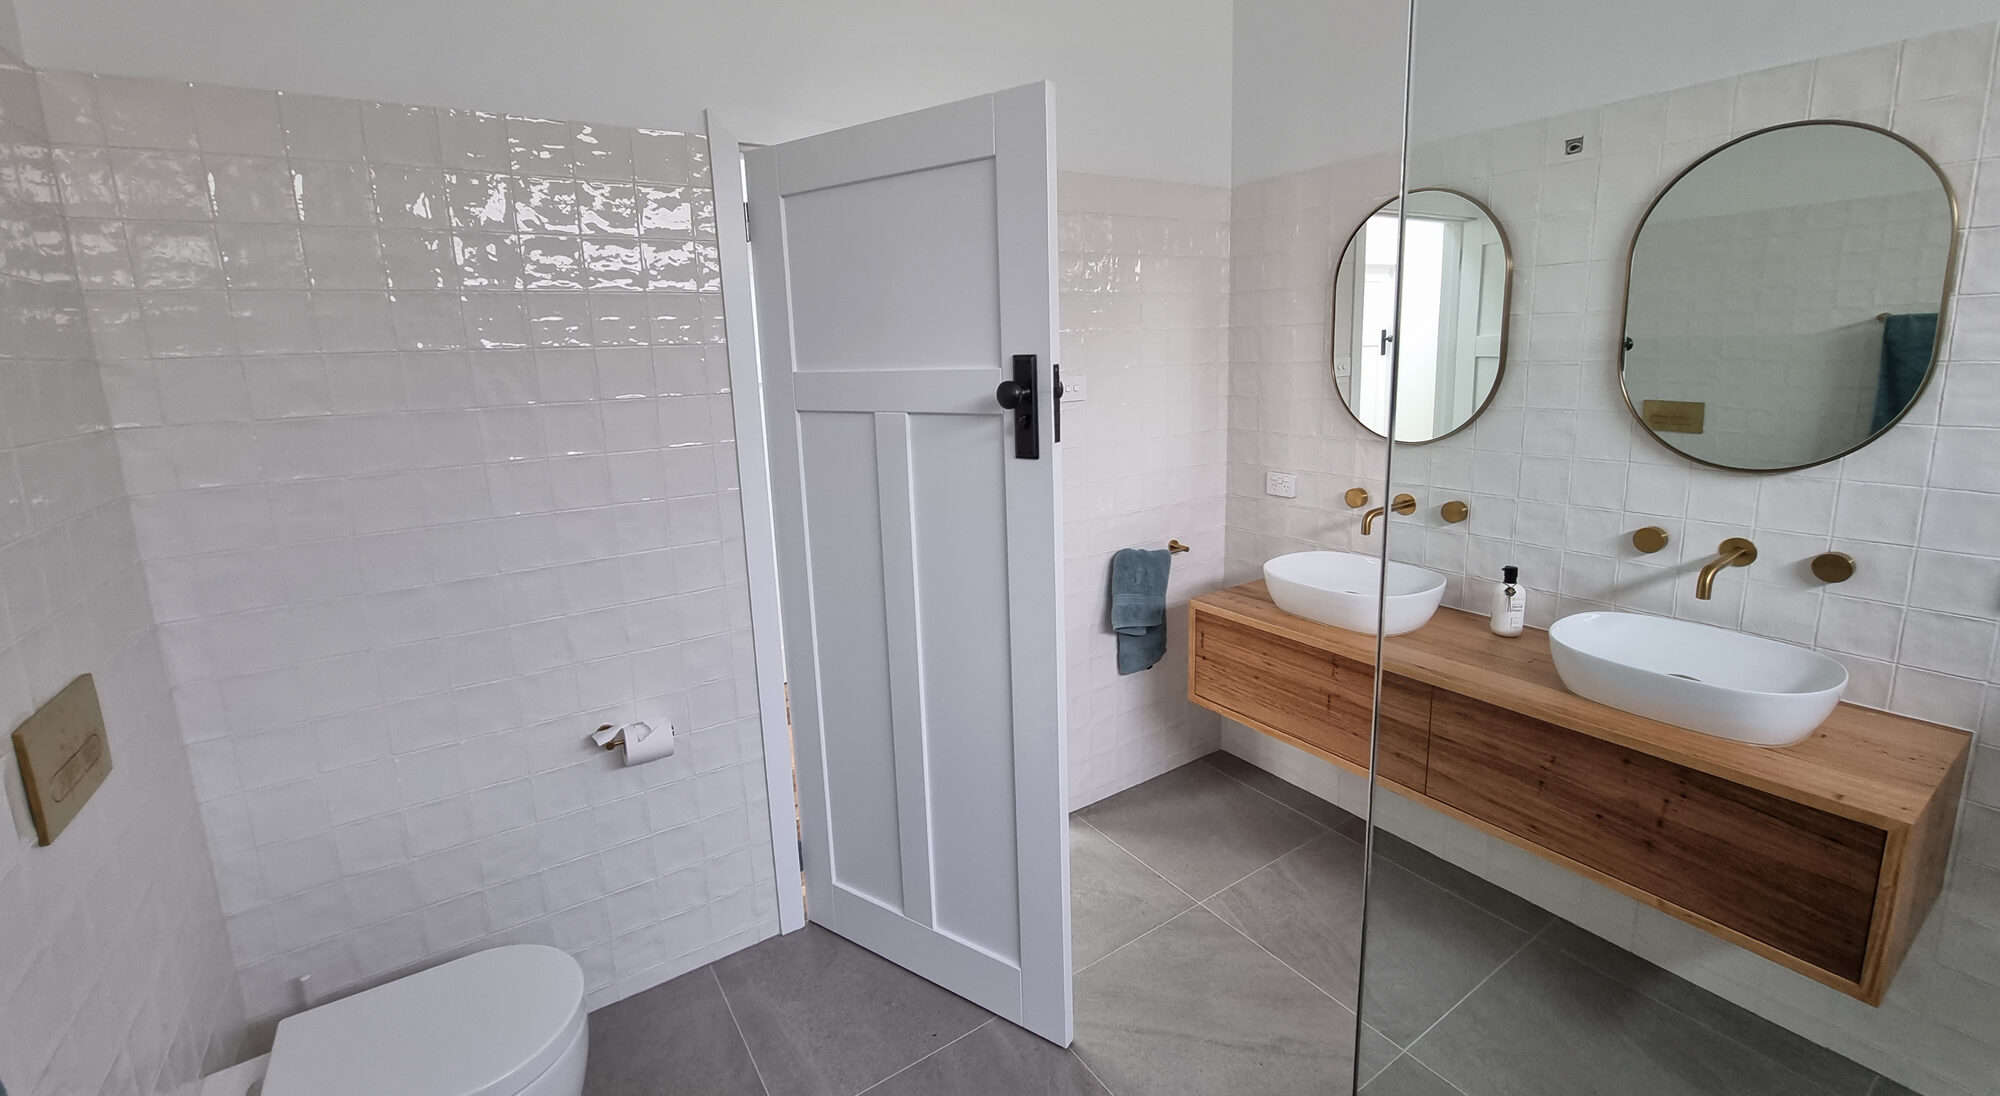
(1692, 675)
(1339, 588)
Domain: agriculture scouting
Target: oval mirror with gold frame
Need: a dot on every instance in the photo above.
(1786, 296)
(1458, 274)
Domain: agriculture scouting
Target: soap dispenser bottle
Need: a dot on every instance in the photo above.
(1510, 604)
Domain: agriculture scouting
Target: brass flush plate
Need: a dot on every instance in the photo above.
(1673, 416)
(64, 756)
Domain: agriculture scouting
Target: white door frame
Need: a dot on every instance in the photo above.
(760, 541)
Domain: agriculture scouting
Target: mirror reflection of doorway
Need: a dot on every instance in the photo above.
(1454, 311)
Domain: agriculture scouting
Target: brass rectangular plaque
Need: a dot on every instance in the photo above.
(1673, 416)
(64, 756)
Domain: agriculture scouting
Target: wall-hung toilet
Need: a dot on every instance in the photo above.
(508, 1021)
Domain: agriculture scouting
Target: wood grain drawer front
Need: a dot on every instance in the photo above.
(1796, 878)
(1310, 695)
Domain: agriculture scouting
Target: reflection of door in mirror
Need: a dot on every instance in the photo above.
(1454, 311)
(1375, 303)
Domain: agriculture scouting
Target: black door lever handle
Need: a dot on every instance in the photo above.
(1018, 396)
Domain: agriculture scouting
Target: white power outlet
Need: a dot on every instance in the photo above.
(1075, 388)
(1284, 485)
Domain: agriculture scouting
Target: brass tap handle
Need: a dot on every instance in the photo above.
(1356, 497)
(1650, 539)
(1833, 567)
(1454, 511)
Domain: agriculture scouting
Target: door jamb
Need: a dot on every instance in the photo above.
(760, 542)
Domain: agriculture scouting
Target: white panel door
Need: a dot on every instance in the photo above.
(901, 266)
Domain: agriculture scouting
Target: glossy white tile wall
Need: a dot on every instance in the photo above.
(114, 966)
(1558, 476)
(425, 416)
(1284, 415)
(1145, 284)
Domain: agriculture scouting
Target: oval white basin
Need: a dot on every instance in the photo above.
(1704, 678)
(1339, 588)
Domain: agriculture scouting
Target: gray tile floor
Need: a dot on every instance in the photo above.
(1216, 919)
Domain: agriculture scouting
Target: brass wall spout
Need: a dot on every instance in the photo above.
(1735, 552)
(1402, 504)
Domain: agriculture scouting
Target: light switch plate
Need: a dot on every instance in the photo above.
(1284, 485)
(64, 756)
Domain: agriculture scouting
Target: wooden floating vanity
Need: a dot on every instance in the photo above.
(1824, 856)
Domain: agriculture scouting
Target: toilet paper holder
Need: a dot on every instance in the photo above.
(641, 740)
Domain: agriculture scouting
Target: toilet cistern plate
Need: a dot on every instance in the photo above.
(1722, 683)
(1339, 588)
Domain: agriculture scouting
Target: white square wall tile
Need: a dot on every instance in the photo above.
(393, 134)
(69, 108)
(1773, 96)
(1854, 83)
(138, 113)
(238, 121)
(318, 128)
(1951, 62)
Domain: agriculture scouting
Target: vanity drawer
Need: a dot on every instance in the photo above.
(1795, 878)
(1303, 693)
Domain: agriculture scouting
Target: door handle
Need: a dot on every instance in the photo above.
(1055, 371)
(1018, 396)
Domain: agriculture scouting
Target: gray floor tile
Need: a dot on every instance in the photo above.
(675, 1037)
(1196, 1009)
(1113, 898)
(824, 1017)
(1408, 1077)
(1838, 1074)
(999, 1059)
(1886, 1087)
(1548, 1025)
(1306, 909)
(1496, 900)
(1199, 828)
(1427, 948)
(1287, 793)
(1376, 1052)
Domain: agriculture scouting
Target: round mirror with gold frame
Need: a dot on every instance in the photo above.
(1458, 273)
(1786, 296)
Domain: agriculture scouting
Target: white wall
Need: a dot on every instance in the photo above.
(1480, 65)
(426, 424)
(1142, 86)
(1320, 81)
(1315, 81)
(10, 29)
(114, 966)
(1145, 310)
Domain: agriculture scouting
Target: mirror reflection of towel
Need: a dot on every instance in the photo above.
(1907, 341)
(1139, 606)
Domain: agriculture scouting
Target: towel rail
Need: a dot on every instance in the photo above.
(1176, 547)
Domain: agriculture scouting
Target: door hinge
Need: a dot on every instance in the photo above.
(746, 222)
(802, 854)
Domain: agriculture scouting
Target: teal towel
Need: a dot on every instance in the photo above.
(1907, 339)
(1139, 606)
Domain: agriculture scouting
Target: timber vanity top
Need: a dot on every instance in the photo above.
(1824, 856)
